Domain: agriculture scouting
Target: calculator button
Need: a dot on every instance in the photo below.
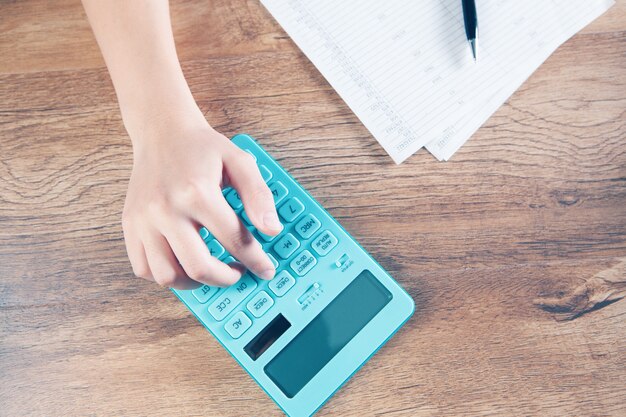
(231, 296)
(291, 209)
(204, 234)
(265, 173)
(282, 282)
(204, 293)
(234, 200)
(286, 246)
(260, 303)
(238, 324)
(343, 260)
(266, 238)
(279, 191)
(215, 248)
(303, 263)
(324, 243)
(246, 219)
(229, 260)
(307, 226)
(274, 261)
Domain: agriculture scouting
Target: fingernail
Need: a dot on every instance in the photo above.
(267, 274)
(271, 220)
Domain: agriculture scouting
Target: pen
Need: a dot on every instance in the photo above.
(471, 24)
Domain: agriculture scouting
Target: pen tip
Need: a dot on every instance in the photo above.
(473, 45)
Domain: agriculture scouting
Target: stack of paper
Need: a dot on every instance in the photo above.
(405, 67)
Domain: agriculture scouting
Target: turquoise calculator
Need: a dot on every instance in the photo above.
(329, 308)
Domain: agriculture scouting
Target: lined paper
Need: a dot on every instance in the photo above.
(405, 67)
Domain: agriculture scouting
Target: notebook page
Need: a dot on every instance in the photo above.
(536, 32)
(405, 68)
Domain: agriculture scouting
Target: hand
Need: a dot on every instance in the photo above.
(180, 162)
(174, 189)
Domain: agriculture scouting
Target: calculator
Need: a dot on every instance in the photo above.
(328, 309)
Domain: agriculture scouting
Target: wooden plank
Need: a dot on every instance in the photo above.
(41, 35)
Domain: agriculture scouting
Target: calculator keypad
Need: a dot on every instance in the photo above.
(293, 253)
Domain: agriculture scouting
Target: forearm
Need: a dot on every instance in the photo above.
(136, 40)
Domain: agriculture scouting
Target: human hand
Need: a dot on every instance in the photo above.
(180, 162)
(175, 188)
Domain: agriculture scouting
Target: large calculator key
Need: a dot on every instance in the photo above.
(307, 226)
(279, 191)
(303, 263)
(265, 173)
(234, 200)
(286, 246)
(238, 324)
(282, 282)
(231, 297)
(291, 209)
(260, 303)
(324, 243)
(215, 248)
(204, 293)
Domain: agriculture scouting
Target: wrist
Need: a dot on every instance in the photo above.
(162, 112)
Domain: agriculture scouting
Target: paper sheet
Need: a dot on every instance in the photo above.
(405, 67)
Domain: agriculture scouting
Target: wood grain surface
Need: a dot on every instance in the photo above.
(514, 251)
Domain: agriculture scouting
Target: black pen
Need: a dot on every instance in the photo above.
(471, 24)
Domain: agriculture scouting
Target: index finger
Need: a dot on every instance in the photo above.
(218, 216)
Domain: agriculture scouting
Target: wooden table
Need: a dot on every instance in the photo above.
(514, 251)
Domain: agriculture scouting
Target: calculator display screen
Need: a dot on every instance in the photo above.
(304, 356)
